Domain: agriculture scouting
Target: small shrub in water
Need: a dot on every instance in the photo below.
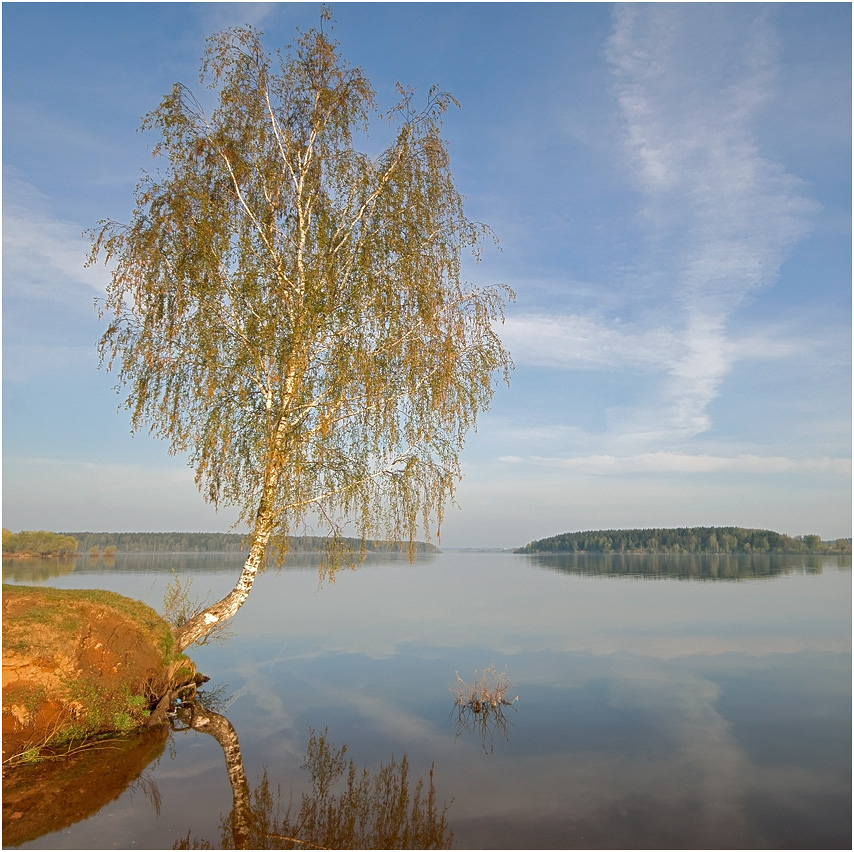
(489, 690)
(479, 706)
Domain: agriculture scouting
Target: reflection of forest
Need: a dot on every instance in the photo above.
(696, 566)
(35, 570)
(344, 809)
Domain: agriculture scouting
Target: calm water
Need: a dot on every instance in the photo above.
(663, 703)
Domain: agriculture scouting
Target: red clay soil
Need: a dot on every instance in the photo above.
(77, 665)
(76, 662)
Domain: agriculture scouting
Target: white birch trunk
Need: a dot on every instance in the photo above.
(223, 732)
(200, 625)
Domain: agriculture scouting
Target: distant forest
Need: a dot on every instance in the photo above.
(177, 542)
(685, 540)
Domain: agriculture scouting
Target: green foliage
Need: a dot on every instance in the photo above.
(177, 605)
(289, 310)
(57, 609)
(29, 696)
(103, 711)
(38, 543)
(31, 756)
(93, 713)
(136, 703)
(83, 696)
(685, 540)
(123, 721)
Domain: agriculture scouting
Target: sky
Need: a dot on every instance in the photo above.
(671, 188)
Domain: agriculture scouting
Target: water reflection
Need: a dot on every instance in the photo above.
(39, 570)
(486, 721)
(35, 570)
(655, 715)
(344, 808)
(687, 566)
(479, 707)
(53, 795)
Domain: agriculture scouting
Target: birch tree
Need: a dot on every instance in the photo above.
(290, 312)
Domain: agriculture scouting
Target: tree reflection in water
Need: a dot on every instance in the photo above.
(483, 720)
(345, 808)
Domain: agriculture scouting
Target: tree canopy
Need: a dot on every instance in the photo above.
(290, 311)
(38, 543)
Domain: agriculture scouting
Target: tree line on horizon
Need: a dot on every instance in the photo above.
(44, 543)
(685, 540)
(180, 542)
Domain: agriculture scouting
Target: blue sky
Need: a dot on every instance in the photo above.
(671, 186)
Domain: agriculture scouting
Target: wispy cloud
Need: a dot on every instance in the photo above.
(585, 342)
(589, 342)
(690, 463)
(719, 217)
(43, 255)
(220, 16)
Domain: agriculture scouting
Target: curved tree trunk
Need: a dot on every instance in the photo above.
(223, 732)
(200, 625)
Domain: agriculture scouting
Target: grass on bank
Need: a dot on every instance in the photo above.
(95, 662)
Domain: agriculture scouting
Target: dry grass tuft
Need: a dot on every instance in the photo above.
(479, 706)
(487, 691)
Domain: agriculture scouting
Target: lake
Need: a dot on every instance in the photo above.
(663, 702)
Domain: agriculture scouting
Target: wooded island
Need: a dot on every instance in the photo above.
(685, 540)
